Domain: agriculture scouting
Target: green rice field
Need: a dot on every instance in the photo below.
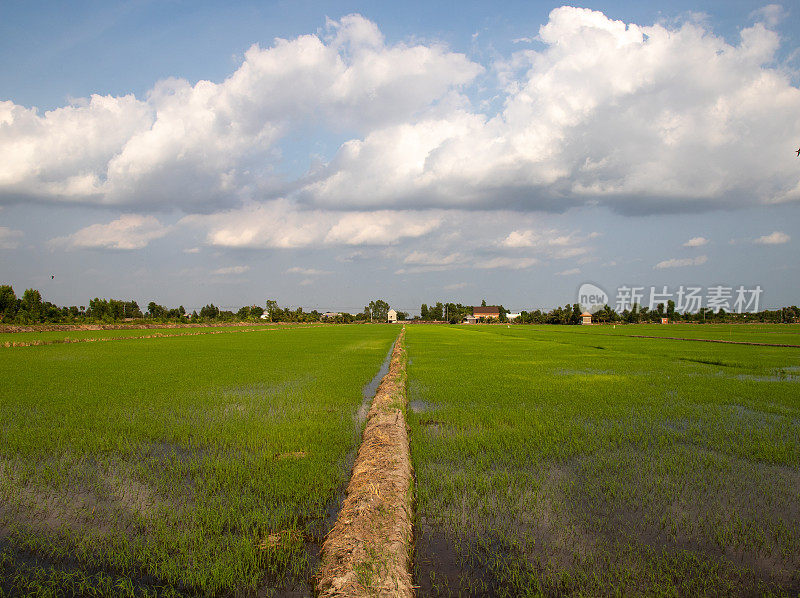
(187, 465)
(582, 461)
(549, 460)
(71, 335)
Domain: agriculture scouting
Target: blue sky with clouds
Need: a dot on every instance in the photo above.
(327, 153)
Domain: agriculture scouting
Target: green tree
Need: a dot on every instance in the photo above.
(273, 310)
(32, 304)
(378, 310)
(8, 302)
(210, 311)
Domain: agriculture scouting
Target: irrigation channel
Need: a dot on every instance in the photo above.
(368, 551)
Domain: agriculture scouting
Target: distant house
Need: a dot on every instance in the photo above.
(489, 311)
(470, 320)
(665, 320)
(264, 316)
(391, 317)
(512, 316)
(329, 315)
(586, 318)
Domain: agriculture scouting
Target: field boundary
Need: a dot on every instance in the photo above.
(368, 551)
(712, 340)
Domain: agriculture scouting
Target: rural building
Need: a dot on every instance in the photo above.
(470, 320)
(513, 316)
(329, 315)
(665, 320)
(586, 318)
(489, 311)
(391, 316)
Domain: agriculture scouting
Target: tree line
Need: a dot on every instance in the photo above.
(455, 313)
(31, 308)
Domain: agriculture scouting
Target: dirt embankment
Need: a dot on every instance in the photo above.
(368, 551)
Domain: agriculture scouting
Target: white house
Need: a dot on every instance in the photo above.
(391, 317)
(512, 316)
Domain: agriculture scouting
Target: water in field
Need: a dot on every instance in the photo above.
(202, 465)
(653, 467)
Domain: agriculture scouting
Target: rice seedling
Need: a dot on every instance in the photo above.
(188, 465)
(555, 460)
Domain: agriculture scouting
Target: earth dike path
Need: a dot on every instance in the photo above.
(368, 551)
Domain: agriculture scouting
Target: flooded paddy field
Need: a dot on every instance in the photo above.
(582, 461)
(188, 465)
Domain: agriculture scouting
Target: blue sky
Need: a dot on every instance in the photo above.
(177, 152)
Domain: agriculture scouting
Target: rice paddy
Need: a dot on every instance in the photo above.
(188, 465)
(549, 460)
(580, 461)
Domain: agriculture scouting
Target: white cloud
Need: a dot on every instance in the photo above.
(606, 111)
(9, 239)
(550, 243)
(282, 224)
(776, 238)
(696, 242)
(306, 271)
(615, 113)
(680, 263)
(771, 14)
(507, 263)
(205, 145)
(427, 258)
(128, 232)
(569, 272)
(230, 270)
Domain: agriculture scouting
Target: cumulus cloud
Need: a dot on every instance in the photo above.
(9, 238)
(776, 238)
(283, 224)
(204, 145)
(128, 232)
(682, 262)
(642, 119)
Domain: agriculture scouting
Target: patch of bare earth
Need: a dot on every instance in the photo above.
(368, 551)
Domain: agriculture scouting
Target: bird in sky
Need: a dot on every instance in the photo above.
(52, 276)
(798, 152)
